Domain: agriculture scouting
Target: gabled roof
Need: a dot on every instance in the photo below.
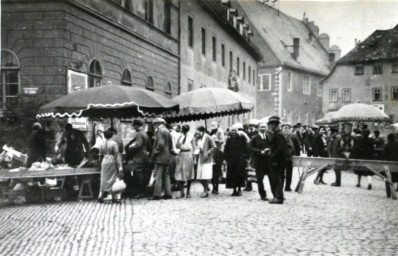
(380, 45)
(279, 29)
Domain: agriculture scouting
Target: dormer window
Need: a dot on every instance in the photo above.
(359, 69)
(394, 67)
(377, 68)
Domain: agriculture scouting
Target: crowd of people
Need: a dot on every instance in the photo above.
(174, 157)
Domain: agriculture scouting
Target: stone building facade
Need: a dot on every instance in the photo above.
(55, 47)
(367, 74)
(216, 50)
(296, 58)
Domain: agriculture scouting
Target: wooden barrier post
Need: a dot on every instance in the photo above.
(389, 185)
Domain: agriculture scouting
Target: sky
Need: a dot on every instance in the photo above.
(345, 20)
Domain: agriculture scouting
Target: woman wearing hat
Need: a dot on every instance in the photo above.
(235, 153)
(204, 146)
(111, 168)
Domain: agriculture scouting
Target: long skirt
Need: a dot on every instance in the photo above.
(184, 170)
(108, 173)
(236, 174)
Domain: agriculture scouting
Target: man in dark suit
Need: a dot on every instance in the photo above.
(277, 161)
(138, 160)
(161, 156)
(259, 147)
(293, 150)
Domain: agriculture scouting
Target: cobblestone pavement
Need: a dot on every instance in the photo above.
(322, 221)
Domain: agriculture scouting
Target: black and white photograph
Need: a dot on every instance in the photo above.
(198, 127)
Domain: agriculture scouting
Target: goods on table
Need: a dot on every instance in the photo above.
(41, 166)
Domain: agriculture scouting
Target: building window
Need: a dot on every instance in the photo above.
(394, 93)
(378, 68)
(149, 84)
(203, 41)
(333, 95)
(223, 55)
(319, 90)
(394, 67)
(190, 31)
(190, 85)
(254, 77)
(265, 82)
(214, 44)
(148, 5)
(167, 16)
(244, 70)
(377, 94)
(249, 74)
(167, 90)
(359, 69)
(95, 74)
(9, 83)
(128, 5)
(126, 78)
(289, 82)
(231, 62)
(238, 66)
(306, 85)
(346, 95)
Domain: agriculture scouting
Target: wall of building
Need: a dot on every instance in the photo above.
(201, 69)
(361, 86)
(290, 103)
(50, 37)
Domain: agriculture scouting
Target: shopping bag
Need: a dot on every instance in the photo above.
(152, 180)
(118, 186)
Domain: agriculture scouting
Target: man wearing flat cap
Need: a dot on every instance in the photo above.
(138, 159)
(277, 164)
(161, 156)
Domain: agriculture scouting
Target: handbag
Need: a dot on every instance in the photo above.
(118, 186)
(152, 180)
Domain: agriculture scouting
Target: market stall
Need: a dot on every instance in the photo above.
(17, 179)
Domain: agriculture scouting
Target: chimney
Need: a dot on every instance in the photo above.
(336, 50)
(324, 40)
(310, 36)
(332, 59)
(296, 47)
(305, 19)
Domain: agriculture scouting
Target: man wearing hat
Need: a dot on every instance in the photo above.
(138, 160)
(161, 155)
(277, 161)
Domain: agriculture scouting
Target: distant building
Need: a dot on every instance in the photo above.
(216, 50)
(54, 47)
(367, 74)
(296, 58)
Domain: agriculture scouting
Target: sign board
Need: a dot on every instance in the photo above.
(79, 123)
(77, 81)
(30, 90)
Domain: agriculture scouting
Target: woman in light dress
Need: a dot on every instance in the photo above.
(184, 171)
(111, 168)
(203, 148)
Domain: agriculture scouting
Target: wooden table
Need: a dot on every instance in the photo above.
(5, 174)
(312, 165)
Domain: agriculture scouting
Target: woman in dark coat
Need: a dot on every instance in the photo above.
(235, 153)
(37, 145)
(364, 149)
